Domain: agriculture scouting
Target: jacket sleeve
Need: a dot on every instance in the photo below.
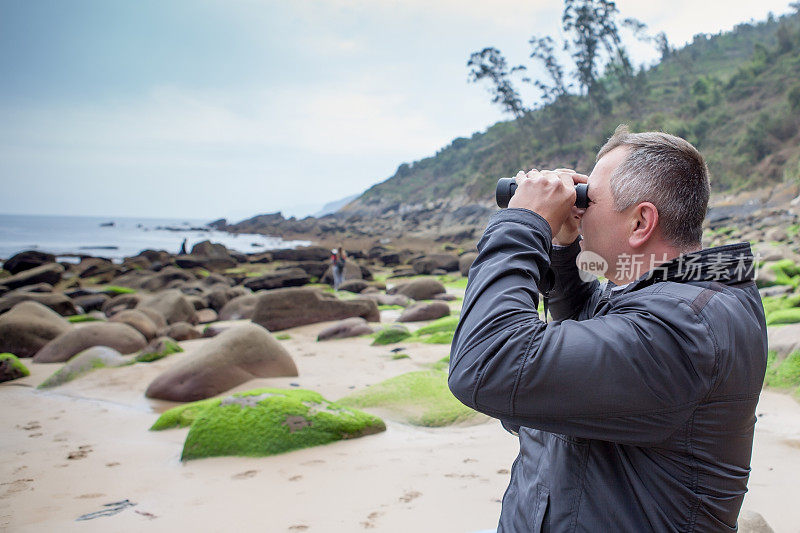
(571, 297)
(630, 376)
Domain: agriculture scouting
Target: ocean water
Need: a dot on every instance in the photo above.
(68, 235)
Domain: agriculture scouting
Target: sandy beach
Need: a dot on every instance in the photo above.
(72, 450)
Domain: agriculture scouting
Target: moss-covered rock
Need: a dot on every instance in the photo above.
(265, 422)
(85, 362)
(419, 398)
(784, 374)
(158, 349)
(390, 335)
(439, 331)
(784, 316)
(113, 290)
(11, 367)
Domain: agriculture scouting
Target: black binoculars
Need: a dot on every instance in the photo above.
(507, 186)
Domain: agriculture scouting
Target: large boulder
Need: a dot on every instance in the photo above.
(293, 277)
(239, 308)
(387, 299)
(783, 339)
(465, 262)
(349, 327)
(286, 308)
(432, 262)
(210, 249)
(265, 422)
(353, 285)
(121, 337)
(309, 253)
(201, 261)
(85, 362)
(173, 305)
(28, 327)
(181, 331)
(102, 270)
(419, 289)
(218, 296)
(137, 320)
(49, 273)
(121, 302)
(233, 357)
(314, 269)
(424, 311)
(91, 302)
(27, 260)
(55, 301)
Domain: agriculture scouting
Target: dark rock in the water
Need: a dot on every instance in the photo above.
(293, 277)
(240, 307)
(49, 273)
(181, 331)
(27, 260)
(172, 305)
(91, 302)
(28, 326)
(121, 337)
(419, 289)
(55, 301)
(424, 311)
(349, 327)
(218, 224)
(137, 320)
(286, 308)
(353, 285)
(465, 262)
(235, 356)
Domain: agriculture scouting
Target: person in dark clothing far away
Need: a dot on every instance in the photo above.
(635, 406)
(338, 259)
(183, 248)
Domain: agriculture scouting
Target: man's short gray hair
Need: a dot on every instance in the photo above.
(668, 172)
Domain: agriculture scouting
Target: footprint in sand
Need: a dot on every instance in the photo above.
(295, 478)
(19, 485)
(369, 523)
(313, 462)
(298, 527)
(244, 475)
(410, 495)
(30, 426)
(81, 452)
(89, 496)
(112, 464)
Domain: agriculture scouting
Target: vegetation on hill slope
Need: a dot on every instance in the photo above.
(735, 95)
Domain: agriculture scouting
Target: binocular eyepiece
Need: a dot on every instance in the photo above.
(507, 186)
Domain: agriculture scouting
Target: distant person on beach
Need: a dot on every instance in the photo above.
(338, 259)
(183, 248)
(635, 406)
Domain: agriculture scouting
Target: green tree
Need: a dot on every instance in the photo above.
(489, 64)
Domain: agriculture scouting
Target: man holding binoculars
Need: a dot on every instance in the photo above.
(635, 405)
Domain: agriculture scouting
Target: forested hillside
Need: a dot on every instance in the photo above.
(735, 95)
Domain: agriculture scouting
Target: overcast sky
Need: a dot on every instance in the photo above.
(206, 109)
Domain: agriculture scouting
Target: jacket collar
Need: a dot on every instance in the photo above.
(730, 264)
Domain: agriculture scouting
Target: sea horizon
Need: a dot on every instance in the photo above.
(77, 235)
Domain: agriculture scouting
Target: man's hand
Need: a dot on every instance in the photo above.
(570, 229)
(550, 194)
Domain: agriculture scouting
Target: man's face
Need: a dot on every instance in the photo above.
(604, 229)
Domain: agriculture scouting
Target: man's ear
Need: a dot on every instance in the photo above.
(643, 223)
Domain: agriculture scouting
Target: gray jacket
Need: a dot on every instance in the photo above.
(635, 408)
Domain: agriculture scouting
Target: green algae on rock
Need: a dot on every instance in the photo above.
(83, 363)
(158, 349)
(265, 422)
(11, 367)
(784, 316)
(391, 335)
(418, 398)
